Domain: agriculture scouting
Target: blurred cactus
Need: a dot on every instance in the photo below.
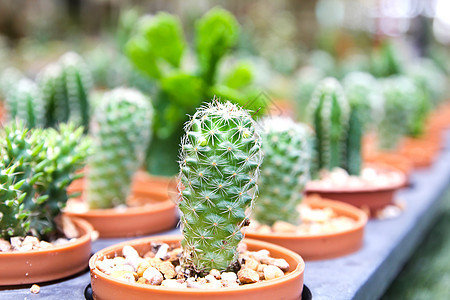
(120, 137)
(329, 112)
(402, 103)
(288, 154)
(220, 159)
(366, 105)
(306, 82)
(25, 103)
(45, 162)
(8, 79)
(157, 48)
(386, 60)
(66, 85)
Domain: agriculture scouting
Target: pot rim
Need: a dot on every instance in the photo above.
(361, 219)
(364, 189)
(85, 237)
(176, 238)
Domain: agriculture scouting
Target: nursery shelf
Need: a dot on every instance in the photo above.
(363, 275)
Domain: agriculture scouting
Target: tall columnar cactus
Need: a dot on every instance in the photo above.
(288, 154)
(25, 102)
(65, 86)
(120, 137)
(13, 218)
(220, 159)
(8, 79)
(329, 112)
(45, 162)
(366, 103)
(401, 104)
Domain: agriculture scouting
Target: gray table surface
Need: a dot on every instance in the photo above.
(362, 275)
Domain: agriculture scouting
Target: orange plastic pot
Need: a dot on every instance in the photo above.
(287, 287)
(47, 264)
(155, 212)
(322, 246)
(369, 198)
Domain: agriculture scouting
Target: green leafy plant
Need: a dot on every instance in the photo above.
(403, 111)
(120, 137)
(43, 163)
(66, 85)
(25, 103)
(329, 113)
(157, 49)
(366, 105)
(219, 167)
(288, 154)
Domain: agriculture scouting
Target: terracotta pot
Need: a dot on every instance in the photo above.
(368, 198)
(391, 160)
(421, 152)
(47, 264)
(322, 246)
(287, 287)
(153, 210)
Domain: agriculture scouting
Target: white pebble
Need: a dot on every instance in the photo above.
(153, 276)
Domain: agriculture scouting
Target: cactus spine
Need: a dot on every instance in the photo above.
(45, 162)
(219, 167)
(288, 153)
(329, 112)
(50, 82)
(25, 102)
(366, 103)
(120, 139)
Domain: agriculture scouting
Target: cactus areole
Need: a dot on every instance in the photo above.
(219, 167)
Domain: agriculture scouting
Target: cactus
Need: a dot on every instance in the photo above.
(329, 112)
(120, 138)
(219, 167)
(25, 102)
(8, 78)
(288, 154)
(45, 162)
(366, 103)
(402, 102)
(50, 81)
(307, 80)
(13, 217)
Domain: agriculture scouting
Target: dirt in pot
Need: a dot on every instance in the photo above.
(161, 267)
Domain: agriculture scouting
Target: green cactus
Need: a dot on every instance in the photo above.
(50, 81)
(45, 162)
(402, 103)
(288, 154)
(25, 102)
(366, 104)
(13, 217)
(120, 137)
(8, 79)
(219, 167)
(329, 112)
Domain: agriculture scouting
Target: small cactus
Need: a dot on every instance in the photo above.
(401, 104)
(50, 81)
(219, 167)
(120, 137)
(8, 79)
(25, 102)
(288, 154)
(45, 162)
(329, 112)
(366, 103)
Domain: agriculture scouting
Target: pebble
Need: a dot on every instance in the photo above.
(4, 245)
(246, 275)
(162, 252)
(35, 289)
(215, 273)
(153, 276)
(251, 263)
(283, 227)
(272, 272)
(229, 276)
(126, 276)
(172, 283)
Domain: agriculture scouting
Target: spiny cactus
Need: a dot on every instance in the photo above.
(25, 102)
(120, 137)
(288, 154)
(219, 167)
(329, 113)
(8, 79)
(366, 103)
(66, 85)
(45, 161)
(13, 217)
(401, 104)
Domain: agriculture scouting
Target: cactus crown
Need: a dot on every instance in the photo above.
(120, 138)
(220, 159)
(329, 113)
(401, 103)
(288, 153)
(25, 102)
(43, 163)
